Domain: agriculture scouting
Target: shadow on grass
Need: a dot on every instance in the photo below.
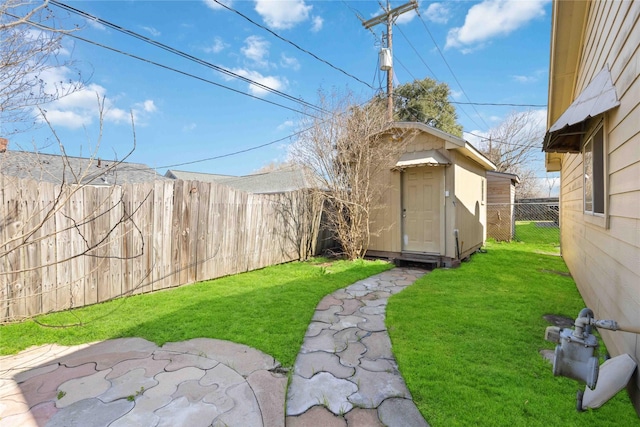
(467, 342)
(268, 309)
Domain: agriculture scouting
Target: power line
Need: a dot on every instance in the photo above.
(235, 152)
(359, 16)
(202, 79)
(166, 67)
(422, 84)
(181, 53)
(499, 104)
(293, 44)
(450, 69)
(416, 51)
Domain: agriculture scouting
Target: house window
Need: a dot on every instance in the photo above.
(594, 173)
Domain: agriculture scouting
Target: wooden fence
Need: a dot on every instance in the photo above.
(63, 247)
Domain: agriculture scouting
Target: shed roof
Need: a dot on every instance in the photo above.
(452, 142)
(513, 177)
(74, 170)
(422, 158)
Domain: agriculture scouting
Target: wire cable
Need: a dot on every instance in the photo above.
(416, 51)
(181, 53)
(166, 67)
(229, 8)
(450, 69)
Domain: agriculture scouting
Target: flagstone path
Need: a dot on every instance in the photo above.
(346, 374)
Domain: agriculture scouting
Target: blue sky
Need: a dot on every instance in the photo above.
(498, 51)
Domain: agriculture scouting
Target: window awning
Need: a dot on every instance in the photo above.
(422, 158)
(565, 135)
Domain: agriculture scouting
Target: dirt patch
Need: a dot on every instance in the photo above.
(559, 273)
(558, 320)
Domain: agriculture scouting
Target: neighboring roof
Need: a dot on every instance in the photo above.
(422, 158)
(73, 170)
(513, 177)
(452, 142)
(197, 176)
(279, 181)
(599, 96)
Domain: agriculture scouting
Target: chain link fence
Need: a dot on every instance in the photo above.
(524, 220)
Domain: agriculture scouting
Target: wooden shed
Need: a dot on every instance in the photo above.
(434, 208)
(501, 194)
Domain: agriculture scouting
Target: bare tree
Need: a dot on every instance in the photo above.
(344, 148)
(55, 221)
(513, 146)
(30, 49)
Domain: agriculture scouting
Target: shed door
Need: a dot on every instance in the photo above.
(421, 209)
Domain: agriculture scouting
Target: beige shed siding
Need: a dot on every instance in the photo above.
(604, 254)
(500, 199)
(385, 224)
(388, 219)
(470, 207)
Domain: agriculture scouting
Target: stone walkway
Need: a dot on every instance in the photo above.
(345, 374)
(131, 382)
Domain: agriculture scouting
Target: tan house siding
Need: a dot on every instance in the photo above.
(603, 251)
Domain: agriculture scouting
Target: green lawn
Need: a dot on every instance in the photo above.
(467, 341)
(269, 309)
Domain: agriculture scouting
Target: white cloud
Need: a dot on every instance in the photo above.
(438, 13)
(95, 24)
(152, 31)
(493, 18)
(273, 82)
(405, 18)
(68, 119)
(217, 46)
(149, 106)
(524, 79)
(531, 78)
(456, 94)
(317, 23)
(211, 4)
(256, 49)
(283, 14)
(476, 137)
(286, 125)
(289, 62)
(189, 127)
(82, 106)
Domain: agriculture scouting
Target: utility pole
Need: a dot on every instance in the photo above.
(389, 16)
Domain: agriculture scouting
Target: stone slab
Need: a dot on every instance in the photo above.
(270, 391)
(316, 417)
(401, 413)
(322, 389)
(309, 364)
(375, 387)
(99, 413)
(359, 417)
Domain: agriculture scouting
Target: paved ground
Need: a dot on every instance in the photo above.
(345, 375)
(132, 382)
